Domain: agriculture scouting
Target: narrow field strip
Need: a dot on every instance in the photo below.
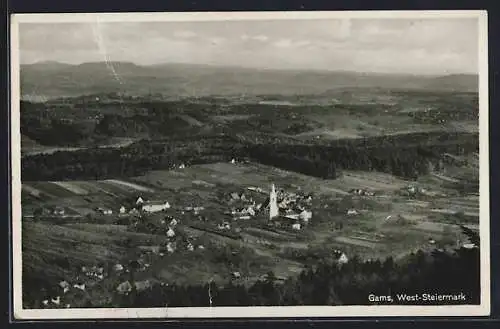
(130, 185)
(73, 188)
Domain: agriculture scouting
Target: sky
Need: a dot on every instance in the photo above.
(423, 46)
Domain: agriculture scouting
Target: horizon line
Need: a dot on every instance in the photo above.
(302, 69)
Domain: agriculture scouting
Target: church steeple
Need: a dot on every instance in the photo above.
(273, 203)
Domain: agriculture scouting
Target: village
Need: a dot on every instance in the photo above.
(267, 227)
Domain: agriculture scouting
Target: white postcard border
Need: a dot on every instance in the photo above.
(248, 312)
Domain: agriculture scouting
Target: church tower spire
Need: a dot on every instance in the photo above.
(273, 203)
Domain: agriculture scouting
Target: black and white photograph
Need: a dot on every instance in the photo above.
(250, 164)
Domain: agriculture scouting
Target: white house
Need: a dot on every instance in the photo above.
(124, 287)
(197, 210)
(233, 161)
(64, 285)
(296, 226)
(182, 166)
(173, 222)
(155, 206)
(224, 226)
(79, 286)
(190, 247)
(142, 285)
(122, 210)
(343, 259)
(170, 247)
(59, 211)
(305, 215)
(56, 300)
(352, 212)
(469, 246)
(139, 201)
(118, 267)
(412, 189)
(250, 211)
(170, 233)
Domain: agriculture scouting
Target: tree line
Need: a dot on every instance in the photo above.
(437, 272)
(406, 155)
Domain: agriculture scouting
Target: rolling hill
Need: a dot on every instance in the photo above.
(52, 80)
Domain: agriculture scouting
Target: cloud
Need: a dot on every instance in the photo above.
(289, 43)
(185, 34)
(216, 40)
(261, 38)
(389, 45)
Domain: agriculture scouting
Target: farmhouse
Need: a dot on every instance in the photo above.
(170, 233)
(142, 285)
(359, 191)
(79, 286)
(104, 211)
(155, 206)
(224, 226)
(173, 222)
(170, 247)
(124, 288)
(343, 259)
(56, 300)
(118, 267)
(123, 210)
(305, 215)
(59, 211)
(296, 226)
(352, 212)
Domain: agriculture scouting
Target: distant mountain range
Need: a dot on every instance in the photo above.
(53, 79)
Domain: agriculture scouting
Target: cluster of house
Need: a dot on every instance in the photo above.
(412, 190)
(243, 207)
(58, 211)
(289, 208)
(361, 192)
(283, 207)
(125, 287)
(195, 210)
(151, 206)
(171, 244)
(93, 272)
